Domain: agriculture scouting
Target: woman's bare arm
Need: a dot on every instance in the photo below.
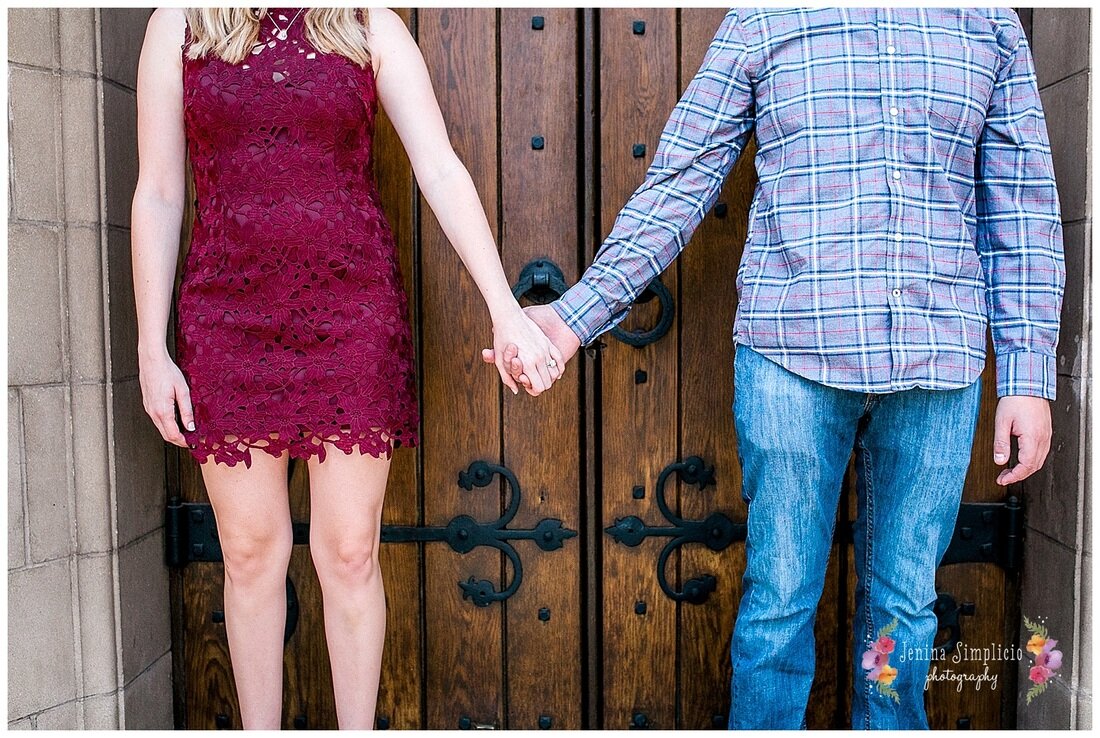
(405, 92)
(156, 215)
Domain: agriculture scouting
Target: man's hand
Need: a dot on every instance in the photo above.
(1027, 418)
(561, 335)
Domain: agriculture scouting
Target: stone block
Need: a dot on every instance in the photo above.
(143, 588)
(1059, 42)
(1077, 244)
(101, 712)
(78, 39)
(32, 36)
(120, 152)
(65, 716)
(34, 123)
(17, 553)
(46, 451)
(122, 310)
(84, 269)
(123, 32)
(149, 698)
(80, 125)
(90, 460)
(139, 466)
(97, 623)
(1055, 494)
(34, 305)
(41, 659)
(1066, 107)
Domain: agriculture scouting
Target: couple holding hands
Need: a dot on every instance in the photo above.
(906, 203)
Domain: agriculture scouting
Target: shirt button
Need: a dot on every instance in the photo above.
(897, 174)
(897, 293)
(890, 49)
(898, 237)
(894, 112)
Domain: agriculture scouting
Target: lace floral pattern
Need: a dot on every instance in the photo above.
(292, 320)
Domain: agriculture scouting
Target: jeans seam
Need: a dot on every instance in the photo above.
(737, 641)
(868, 568)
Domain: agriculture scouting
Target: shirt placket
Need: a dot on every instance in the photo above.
(898, 176)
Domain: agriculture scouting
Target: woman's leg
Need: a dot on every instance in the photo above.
(346, 495)
(252, 513)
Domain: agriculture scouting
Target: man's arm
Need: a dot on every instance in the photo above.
(700, 142)
(1020, 227)
(1020, 245)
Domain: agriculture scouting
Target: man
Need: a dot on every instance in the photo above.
(906, 199)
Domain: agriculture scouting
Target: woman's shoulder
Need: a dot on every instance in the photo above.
(384, 22)
(169, 24)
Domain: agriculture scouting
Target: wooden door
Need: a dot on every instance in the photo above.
(534, 563)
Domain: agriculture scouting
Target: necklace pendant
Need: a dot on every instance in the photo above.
(281, 35)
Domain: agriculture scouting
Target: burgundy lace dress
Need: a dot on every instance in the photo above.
(292, 320)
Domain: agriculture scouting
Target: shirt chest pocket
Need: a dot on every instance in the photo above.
(959, 88)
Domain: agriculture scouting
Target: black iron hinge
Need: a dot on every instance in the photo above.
(985, 532)
(991, 532)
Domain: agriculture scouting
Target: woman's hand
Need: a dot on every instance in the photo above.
(163, 387)
(542, 362)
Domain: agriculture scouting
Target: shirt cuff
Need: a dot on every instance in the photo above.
(1027, 373)
(584, 311)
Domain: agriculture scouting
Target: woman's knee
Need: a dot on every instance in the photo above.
(351, 559)
(250, 556)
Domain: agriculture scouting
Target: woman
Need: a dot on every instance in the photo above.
(293, 336)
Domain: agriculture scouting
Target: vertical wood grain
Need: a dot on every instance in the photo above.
(539, 97)
(461, 394)
(638, 89)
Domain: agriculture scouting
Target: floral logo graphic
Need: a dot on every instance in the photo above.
(1047, 659)
(876, 661)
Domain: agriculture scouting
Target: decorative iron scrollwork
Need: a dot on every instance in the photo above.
(192, 536)
(948, 612)
(463, 534)
(717, 531)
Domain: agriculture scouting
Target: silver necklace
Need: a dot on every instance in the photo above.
(281, 35)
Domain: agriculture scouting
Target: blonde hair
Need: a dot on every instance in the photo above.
(231, 33)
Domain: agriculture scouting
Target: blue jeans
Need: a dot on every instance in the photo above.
(794, 440)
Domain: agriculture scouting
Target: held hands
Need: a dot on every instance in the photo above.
(522, 341)
(1027, 418)
(509, 357)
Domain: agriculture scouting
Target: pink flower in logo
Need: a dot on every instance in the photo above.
(1039, 674)
(884, 645)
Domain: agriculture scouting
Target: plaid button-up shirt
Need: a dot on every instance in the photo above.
(906, 198)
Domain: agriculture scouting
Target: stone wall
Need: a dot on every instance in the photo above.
(1056, 582)
(88, 626)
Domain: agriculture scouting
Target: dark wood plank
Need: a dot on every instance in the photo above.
(401, 690)
(539, 206)
(210, 688)
(986, 585)
(707, 304)
(638, 89)
(308, 699)
(461, 395)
